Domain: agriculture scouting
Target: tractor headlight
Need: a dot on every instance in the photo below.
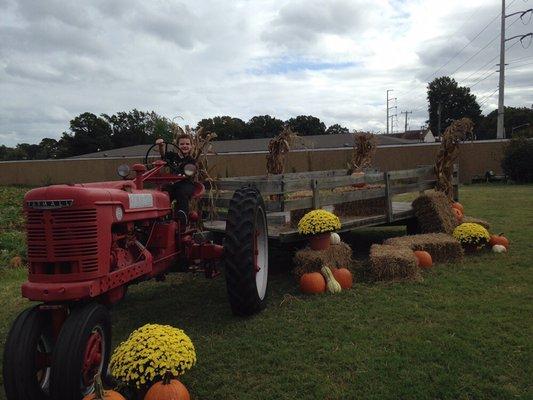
(189, 169)
(123, 170)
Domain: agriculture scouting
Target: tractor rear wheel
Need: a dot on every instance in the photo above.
(82, 350)
(246, 252)
(27, 354)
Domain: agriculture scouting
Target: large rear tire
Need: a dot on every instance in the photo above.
(27, 354)
(82, 350)
(246, 252)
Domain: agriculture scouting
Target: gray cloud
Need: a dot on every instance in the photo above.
(301, 23)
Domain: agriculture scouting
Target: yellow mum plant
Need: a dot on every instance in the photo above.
(318, 221)
(471, 234)
(150, 352)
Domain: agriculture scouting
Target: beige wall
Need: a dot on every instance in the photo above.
(474, 159)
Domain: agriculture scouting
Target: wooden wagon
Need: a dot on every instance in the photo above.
(359, 201)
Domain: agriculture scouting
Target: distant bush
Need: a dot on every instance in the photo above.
(517, 161)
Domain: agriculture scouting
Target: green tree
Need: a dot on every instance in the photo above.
(226, 128)
(48, 148)
(336, 129)
(132, 128)
(88, 134)
(518, 121)
(455, 102)
(263, 126)
(306, 125)
(517, 161)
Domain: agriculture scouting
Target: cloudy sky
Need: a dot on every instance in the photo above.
(331, 59)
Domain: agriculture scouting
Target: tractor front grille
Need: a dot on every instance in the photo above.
(63, 236)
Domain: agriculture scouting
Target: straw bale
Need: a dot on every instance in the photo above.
(434, 213)
(336, 256)
(441, 246)
(485, 224)
(393, 263)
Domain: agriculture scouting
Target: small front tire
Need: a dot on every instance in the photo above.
(27, 354)
(82, 350)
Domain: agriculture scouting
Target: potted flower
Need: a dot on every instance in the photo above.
(152, 353)
(318, 225)
(471, 236)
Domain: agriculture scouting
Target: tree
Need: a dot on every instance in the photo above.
(88, 134)
(263, 126)
(518, 121)
(306, 125)
(48, 148)
(336, 129)
(132, 128)
(226, 128)
(455, 102)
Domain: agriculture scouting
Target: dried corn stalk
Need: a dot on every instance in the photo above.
(458, 130)
(278, 147)
(364, 147)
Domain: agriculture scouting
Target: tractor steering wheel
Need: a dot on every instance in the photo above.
(169, 160)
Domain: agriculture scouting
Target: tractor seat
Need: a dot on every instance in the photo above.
(199, 190)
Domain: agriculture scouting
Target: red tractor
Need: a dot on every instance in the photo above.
(87, 243)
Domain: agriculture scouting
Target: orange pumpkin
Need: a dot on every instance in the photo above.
(167, 389)
(499, 239)
(458, 215)
(101, 394)
(459, 206)
(424, 259)
(312, 282)
(343, 276)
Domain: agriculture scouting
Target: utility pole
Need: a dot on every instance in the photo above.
(500, 131)
(405, 112)
(388, 90)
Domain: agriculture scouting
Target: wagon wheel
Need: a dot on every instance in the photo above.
(246, 252)
(27, 354)
(82, 350)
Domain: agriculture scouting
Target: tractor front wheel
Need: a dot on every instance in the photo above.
(27, 355)
(82, 350)
(246, 252)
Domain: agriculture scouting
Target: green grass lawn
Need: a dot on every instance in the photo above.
(465, 332)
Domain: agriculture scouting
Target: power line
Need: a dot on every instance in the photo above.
(460, 51)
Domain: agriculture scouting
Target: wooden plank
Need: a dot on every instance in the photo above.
(298, 204)
(316, 194)
(409, 173)
(388, 195)
(265, 187)
(331, 182)
(406, 188)
(345, 197)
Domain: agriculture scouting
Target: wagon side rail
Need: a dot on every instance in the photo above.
(317, 188)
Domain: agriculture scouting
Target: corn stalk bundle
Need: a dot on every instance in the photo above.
(458, 130)
(278, 147)
(364, 147)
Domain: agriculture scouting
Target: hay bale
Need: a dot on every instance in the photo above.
(479, 221)
(434, 213)
(441, 246)
(307, 260)
(393, 263)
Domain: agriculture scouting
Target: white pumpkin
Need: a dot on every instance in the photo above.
(498, 248)
(335, 238)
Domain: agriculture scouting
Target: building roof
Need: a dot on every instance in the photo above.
(417, 134)
(254, 145)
